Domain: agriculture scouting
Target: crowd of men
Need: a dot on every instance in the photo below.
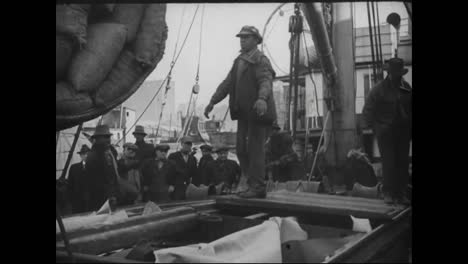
(143, 172)
(147, 173)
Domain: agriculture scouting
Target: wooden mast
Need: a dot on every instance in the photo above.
(340, 132)
(343, 119)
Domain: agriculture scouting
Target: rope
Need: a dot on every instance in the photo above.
(272, 60)
(189, 115)
(376, 38)
(371, 40)
(167, 76)
(268, 21)
(178, 34)
(318, 146)
(224, 119)
(200, 44)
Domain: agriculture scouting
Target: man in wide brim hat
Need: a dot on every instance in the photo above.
(395, 66)
(101, 131)
(139, 130)
(145, 150)
(388, 111)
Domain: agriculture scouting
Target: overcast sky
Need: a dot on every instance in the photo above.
(220, 47)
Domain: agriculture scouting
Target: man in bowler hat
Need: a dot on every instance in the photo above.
(77, 182)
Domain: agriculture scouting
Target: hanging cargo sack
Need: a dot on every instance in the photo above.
(129, 15)
(68, 101)
(151, 37)
(64, 47)
(73, 20)
(126, 72)
(92, 64)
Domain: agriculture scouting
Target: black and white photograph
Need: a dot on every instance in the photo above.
(234, 132)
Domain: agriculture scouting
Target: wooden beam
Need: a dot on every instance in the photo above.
(381, 238)
(61, 257)
(128, 222)
(72, 149)
(310, 206)
(128, 236)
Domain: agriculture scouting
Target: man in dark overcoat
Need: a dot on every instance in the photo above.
(186, 168)
(77, 182)
(388, 111)
(203, 165)
(159, 176)
(101, 170)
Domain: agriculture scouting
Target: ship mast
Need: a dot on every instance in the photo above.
(340, 130)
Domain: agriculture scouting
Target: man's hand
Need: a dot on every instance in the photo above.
(171, 188)
(261, 107)
(208, 109)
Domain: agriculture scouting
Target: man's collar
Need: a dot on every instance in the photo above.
(248, 55)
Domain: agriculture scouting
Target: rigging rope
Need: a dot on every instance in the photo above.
(272, 60)
(371, 41)
(195, 89)
(167, 76)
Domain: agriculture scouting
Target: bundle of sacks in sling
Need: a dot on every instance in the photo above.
(103, 51)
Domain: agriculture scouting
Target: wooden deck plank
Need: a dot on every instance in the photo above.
(332, 202)
(316, 203)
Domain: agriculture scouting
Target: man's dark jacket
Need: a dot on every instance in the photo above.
(145, 151)
(184, 173)
(255, 82)
(77, 187)
(227, 171)
(158, 179)
(384, 103)
(201, 177)
(101, 176)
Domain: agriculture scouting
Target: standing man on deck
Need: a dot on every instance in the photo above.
(101, 170)
(203, 165)
(388, 111)
(77, 182)
(251, 103)
(186, 168)
(159, 176)
(145, 150)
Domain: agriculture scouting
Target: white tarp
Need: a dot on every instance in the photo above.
(261, 243)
